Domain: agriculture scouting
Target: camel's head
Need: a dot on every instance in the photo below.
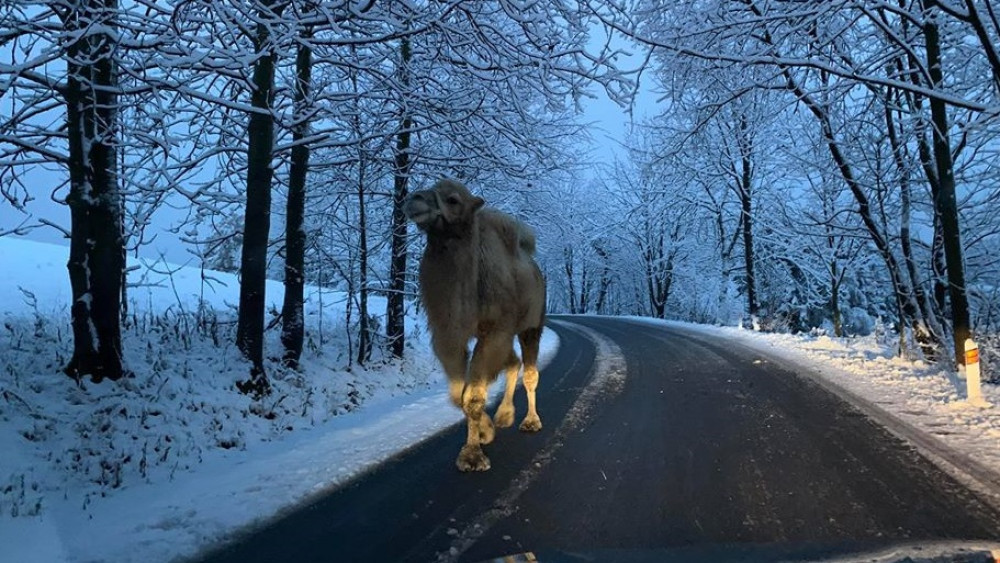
(447, 206)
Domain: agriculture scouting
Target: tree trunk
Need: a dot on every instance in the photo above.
(938, 267)
(945, 200)
(570, 282)
(746, 205)
(605, 284)
(395, 322)
(836, 273)
(97, 250)
(926, 157)
(838, 326)
(257, 219)
(292, 314)
(658, 275)
(367, 324)
(668, 281)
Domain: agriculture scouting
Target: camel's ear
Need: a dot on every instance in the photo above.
(477, 202)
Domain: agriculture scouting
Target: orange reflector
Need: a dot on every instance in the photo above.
(972, 356)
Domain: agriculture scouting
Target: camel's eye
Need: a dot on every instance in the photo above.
(453, 200)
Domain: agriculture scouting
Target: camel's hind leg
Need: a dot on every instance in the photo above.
(530, 340)
(504, 417)
(488, 358)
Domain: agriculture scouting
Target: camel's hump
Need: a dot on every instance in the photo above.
(514, 231)
(526, 238)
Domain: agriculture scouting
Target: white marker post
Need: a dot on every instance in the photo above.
(973, 393)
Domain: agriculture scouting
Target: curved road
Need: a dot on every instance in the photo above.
(706, 451)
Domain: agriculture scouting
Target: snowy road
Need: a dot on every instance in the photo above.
(705, 445)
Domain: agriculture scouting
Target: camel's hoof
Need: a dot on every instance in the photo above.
(472, 458)
(486, 431)
(531, 424)
(504, 417)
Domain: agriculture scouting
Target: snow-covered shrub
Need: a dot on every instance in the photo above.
(59, 437)
(989, 356)
(857, 322)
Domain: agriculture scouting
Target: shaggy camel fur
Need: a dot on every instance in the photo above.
(478, 279)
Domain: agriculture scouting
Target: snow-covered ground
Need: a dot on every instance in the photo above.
(928, 399)
(161, 465)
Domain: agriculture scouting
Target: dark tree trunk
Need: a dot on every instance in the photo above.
(395, 320)
(605, 284)
(925, 154)
(257, 220)
(659, 275)
(938, 267)
(367, 323)
(746, 204)
(668, 281)
(836, 273)
(945, 201)
(570, 282)
(292, 314)
(97, 250)
(838, 325)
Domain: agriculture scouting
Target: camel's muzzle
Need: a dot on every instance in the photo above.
(422, 208)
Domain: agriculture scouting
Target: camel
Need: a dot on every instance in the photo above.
(479, 279)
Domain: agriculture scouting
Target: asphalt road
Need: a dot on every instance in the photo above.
(706, 448)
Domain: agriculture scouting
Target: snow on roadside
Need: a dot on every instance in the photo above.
(177, 518)
(927, 397)
(158, 466)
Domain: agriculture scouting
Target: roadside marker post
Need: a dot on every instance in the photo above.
(973, 393)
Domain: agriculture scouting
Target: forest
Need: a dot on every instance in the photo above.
(811, 166)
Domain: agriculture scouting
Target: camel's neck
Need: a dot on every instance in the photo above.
(449, 272)
(454, 255)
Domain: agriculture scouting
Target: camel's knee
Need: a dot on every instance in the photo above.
(474, 401)
(474, 406)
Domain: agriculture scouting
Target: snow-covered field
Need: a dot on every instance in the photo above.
(156, 467)
(928, 399)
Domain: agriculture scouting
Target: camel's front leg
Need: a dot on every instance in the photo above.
(504, 417)
(531, 422)
(530, 341)
(472, 458)
(487, 359)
